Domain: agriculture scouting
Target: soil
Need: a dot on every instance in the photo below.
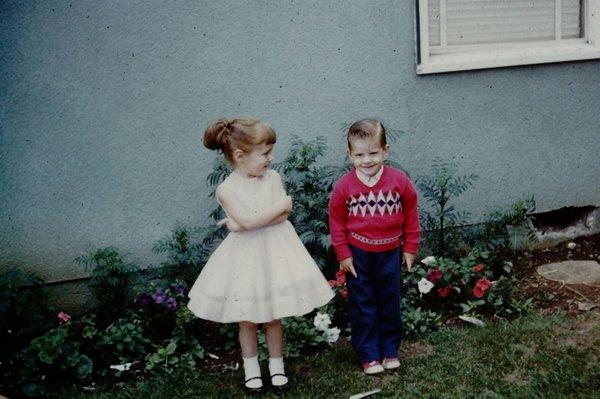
(551, 296)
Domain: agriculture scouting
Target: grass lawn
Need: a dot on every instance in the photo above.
(534, 357)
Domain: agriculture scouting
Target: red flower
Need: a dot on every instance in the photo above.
(443, 292)
(340, 277)
(332, 283)
(63, 317)
(481, 286)
(478, 268)
(434, 275)
(344, 293)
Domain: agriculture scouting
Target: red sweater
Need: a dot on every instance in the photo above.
(374, 218)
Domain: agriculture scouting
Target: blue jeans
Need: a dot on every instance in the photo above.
(374, 304)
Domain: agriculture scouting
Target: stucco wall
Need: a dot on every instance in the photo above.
(104, 103)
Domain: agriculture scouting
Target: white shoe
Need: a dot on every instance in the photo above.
(373, 367)
(391, 363)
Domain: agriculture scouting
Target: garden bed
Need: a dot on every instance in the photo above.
(551, 296)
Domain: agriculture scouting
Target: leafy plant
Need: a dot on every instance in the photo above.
(24, 309)
(304, 334)
(504, 229)
(168, 359)
(470, 286)
(185, 250)
(439, 190)
(24, 315)
(54, 358)
(111, 275)
(416, 321)
(125, 339)
(310, 185)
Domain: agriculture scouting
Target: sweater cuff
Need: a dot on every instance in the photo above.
(411, 246)
(342, 252)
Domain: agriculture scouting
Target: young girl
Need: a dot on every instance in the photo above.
(261, 272)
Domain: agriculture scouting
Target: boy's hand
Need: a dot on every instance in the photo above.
(230, 223)
(408, 260)
(347, 266)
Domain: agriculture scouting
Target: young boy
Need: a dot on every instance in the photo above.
(372, 212)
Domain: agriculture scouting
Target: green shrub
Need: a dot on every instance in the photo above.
(125, 339)
(110, 280)
(52, 360)
(440, 224)
(310, 185)
(186, 251)
(444, 288)
(24, 315)
(24, 309)
(505, 229)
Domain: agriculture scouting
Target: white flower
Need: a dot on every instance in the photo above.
(425, 286)
(426, 261)
(322, 321)
(332, 334)
(571, 245)
(121, 367)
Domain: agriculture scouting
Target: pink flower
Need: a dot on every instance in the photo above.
(63, 317)
(481, 286)
(478, 268)
(434, 275)
(344, 293)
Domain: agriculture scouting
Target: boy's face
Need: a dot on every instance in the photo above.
(367, 154)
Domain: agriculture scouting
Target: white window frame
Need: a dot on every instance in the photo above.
(480, 56)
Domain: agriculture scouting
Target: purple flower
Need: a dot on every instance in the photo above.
(171, 303)
(144, 299)
(180, 289)
(159, 296)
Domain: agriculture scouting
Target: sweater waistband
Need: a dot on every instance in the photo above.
(376, 242)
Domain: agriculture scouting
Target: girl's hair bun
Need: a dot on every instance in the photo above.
(216, 134)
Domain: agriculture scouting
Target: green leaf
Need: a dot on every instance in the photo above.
(170, 349)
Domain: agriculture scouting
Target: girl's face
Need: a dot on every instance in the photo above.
(256, 162)
(367, 155)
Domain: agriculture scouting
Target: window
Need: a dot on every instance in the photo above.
(456, 35)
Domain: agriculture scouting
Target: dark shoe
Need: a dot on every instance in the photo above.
(254, 391)
(281, 389)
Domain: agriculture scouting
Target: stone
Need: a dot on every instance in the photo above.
(585, 306)
(572, 272)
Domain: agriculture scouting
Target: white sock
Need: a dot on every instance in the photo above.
(252, 370)
(276, 367)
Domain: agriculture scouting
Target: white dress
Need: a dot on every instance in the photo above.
(258, 275)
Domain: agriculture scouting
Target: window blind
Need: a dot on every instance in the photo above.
(463, 22)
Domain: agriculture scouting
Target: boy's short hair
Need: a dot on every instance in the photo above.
(366, 128)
